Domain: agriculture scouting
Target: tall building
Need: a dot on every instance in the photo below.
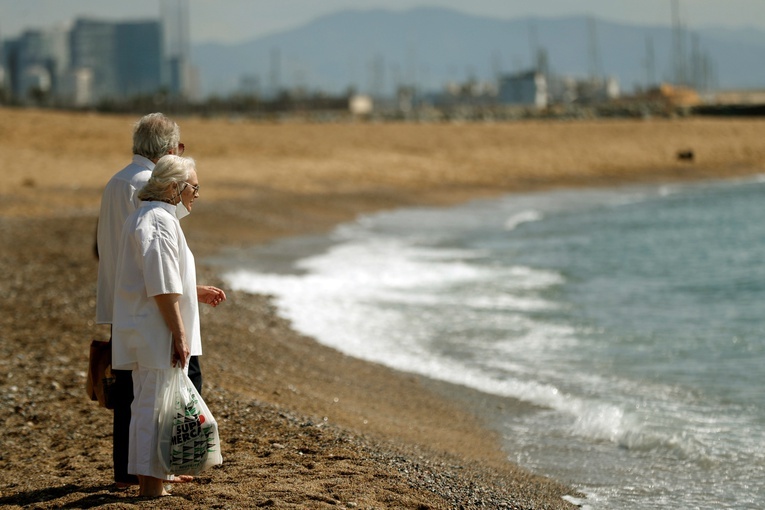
(10, 65)
(92, 47)
(124, 59)
(138, 58)
(35, 63)
(176, 72)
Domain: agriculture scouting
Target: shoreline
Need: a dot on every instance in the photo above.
(278, 257)
(270, 387)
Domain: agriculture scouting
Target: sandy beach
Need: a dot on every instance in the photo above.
(302, 425)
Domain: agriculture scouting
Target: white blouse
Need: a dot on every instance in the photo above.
(154, 259)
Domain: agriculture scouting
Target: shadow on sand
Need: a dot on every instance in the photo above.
(92, 496)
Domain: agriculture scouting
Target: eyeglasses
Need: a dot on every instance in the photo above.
(181, 148)
(195, 187)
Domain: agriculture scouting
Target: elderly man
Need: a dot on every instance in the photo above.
(154, 136)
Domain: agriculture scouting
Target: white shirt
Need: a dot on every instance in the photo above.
(154, 259)
(119, 199)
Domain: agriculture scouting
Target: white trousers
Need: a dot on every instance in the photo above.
(148, 387)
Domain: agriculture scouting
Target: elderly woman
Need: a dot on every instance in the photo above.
(156, 311)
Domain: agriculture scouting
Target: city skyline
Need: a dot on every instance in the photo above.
(234, 21)
(336, 54)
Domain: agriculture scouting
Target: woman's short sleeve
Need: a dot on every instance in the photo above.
(161, 265)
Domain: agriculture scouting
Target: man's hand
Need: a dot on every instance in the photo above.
(210, 295)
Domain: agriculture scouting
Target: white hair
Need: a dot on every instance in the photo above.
(169, 170)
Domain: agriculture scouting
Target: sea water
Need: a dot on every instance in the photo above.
(632, 318)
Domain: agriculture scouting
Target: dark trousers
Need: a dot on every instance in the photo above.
(123, 397)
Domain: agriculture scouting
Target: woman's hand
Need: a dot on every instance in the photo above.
(181, 351)
(210, 295)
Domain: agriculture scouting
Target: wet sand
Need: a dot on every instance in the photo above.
(303, 426)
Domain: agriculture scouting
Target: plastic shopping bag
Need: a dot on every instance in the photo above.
(188, 434)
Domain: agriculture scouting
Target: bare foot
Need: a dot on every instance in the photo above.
(151, 487)
(182, 479)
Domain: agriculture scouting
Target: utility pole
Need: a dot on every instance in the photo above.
(594, 52)
(276, 68)
(534, 45)
(496, 65)
(177, 44)
(678, 46)
(377, 76)
(650, 63)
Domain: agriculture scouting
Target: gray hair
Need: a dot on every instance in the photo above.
(154, 135)
(169, 170)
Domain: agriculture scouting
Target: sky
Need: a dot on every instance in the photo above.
(234, 21)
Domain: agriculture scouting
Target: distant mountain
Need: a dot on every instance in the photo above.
(374, 50)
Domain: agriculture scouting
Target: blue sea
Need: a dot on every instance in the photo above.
(632, 318)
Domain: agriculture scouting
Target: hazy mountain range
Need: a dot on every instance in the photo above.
(374, 51)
